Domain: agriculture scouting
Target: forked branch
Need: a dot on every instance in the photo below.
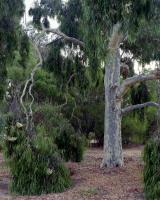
(153, 75)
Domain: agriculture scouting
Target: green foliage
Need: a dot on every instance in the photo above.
(10, 15)
(65, 67)
(24, 50)
(139, 125)
(74, 61)
(86, 112)
(134, 129)
(2, 122)
(140, 94)
(99, 18)
(35, 165)
(43, 10)
(69, 17)
(16, 74)
(2, 128)
(45, 87)
(16, 71)
(151, 169)
(146, 38)
(69, 144)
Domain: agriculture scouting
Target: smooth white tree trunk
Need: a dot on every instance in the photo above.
(112, 133)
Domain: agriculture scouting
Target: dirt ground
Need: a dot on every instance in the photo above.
(92, 183)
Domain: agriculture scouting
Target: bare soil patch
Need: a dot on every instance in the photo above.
(92, 183)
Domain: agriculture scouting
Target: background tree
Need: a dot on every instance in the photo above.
(105, 26)
(11, 13)
(112, 23)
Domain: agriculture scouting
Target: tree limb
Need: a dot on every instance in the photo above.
(153, 75)
(67, 87)
(139, 106)
(32, 80)
(28, 81)
(64, 36)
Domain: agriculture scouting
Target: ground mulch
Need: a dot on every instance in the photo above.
(92, 183)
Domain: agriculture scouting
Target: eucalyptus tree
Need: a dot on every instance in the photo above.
(106, 26)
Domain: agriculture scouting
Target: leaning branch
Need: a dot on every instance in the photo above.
(153, 75)
(64, 36)
(139, 106)
(39, 64)
(30, 81)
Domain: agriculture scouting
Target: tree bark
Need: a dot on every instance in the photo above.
(112, 133)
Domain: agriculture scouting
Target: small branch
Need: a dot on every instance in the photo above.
(28, 81)
(139, 106)
(32, 80)
(67, 87)
(64, 36)
(153, 75)
(22, 103)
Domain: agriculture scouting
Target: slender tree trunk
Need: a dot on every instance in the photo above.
(112, 133)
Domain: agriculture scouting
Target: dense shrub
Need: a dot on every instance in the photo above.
(69, 143)
(133, 129)
(152, 170)
(44, 87)
(35, 164)
(88, 116)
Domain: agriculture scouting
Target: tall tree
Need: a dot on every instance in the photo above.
(106, 25)
(111, 23)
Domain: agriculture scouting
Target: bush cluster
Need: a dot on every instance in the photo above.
(69, 143)
(35, 165)
(134, 130)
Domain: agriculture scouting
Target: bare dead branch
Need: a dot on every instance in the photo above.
(64, 36)
(22, 103)
(28, 81)
(139, 106)
(32, 80)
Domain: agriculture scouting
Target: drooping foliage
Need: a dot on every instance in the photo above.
(100, 18)
(10, 15)
(139, 95)
(24, 49)
(145, 46)
(139, 125)
(151, 169)
(64, 59)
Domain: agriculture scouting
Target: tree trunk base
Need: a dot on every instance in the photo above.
(111, 164)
